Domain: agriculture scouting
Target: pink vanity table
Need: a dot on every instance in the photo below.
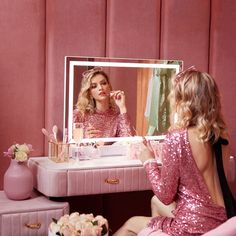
(115, 186)
(97, 176)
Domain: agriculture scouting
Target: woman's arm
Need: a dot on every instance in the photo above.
(164, 179)
(124, 127)
(77, 116)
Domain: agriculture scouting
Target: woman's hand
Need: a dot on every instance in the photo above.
(119, 98)
(145, 151)
(92, 132)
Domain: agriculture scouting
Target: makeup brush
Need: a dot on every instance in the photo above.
(50, 137)
(54, 131)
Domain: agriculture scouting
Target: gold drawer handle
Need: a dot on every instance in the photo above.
(33, 226)
(112, 181)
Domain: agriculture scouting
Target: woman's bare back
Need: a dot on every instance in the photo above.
(204, 157)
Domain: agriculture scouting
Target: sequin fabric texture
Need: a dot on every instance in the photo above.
(111, 123)
(180, 180)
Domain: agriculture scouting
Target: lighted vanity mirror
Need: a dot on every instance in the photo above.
(146, 84)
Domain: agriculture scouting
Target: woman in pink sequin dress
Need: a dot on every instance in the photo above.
(102, 111)
(188, 175)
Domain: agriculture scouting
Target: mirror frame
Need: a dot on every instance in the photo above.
(72, 61)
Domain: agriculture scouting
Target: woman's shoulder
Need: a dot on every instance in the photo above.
(78, 116)
(77, 113)
(175, 140)
(176, 133)
(176, 137)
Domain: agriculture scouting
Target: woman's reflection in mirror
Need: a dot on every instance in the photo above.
(102, 110)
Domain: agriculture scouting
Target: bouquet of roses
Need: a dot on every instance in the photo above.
(77, 224)
(19, 152)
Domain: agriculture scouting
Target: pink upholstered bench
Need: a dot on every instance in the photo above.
(226, 229)
(29, 217)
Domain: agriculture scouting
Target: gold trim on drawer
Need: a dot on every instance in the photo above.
(33, 226)
(112, 181)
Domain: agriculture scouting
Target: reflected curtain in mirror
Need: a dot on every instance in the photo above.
(153, 88)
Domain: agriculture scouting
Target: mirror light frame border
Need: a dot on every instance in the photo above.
(72, 65)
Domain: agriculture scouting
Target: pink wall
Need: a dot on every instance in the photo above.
(35, 37)
(22, 69)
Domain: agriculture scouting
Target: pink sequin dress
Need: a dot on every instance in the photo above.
(180, 180)
(110, 122)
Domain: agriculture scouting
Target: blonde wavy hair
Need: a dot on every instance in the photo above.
(85, 102)
(196, 100)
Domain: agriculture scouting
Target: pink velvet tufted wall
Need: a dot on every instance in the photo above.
(35, 36)
(22, 69)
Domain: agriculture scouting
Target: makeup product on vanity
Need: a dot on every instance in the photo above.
(78, 132)
(58, 152)
(49, 136)
(55, 131)
(65, 136)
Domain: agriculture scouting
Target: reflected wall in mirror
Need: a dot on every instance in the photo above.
(146, 84)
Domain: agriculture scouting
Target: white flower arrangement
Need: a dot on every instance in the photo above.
(19, 152)
(77, 224)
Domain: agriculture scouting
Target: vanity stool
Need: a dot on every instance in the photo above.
(29, 217)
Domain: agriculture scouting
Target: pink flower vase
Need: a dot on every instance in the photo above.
(18, 181)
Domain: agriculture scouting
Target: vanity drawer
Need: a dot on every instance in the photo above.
(29, 217)
(96, 176)
(110, 180)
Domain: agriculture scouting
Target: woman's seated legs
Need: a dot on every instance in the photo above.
(135, 224)
(160, 209)
(132, 226)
